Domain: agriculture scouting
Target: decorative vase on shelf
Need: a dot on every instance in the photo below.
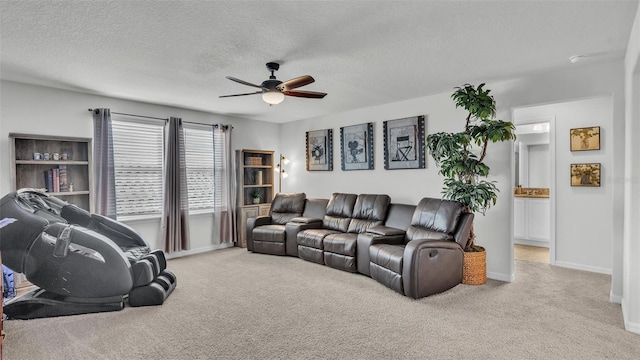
(256, 200)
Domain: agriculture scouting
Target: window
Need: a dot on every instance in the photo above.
(205, 168)
(199, 157)
(138, 151)
(138, 157)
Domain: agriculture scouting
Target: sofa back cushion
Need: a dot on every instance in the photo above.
(369, 210)
(434, 219)
(285, 207)
(315, 208)
(399, 216)
(339, 211)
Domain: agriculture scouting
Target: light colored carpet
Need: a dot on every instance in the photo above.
(231, 304)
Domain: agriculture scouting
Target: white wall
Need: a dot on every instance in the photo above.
(584, 215)
(539, 166)
(408, 186)
(630, 251)
(40, 110)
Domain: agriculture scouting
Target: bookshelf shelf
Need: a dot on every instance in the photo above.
(27, 172)
(51, 162)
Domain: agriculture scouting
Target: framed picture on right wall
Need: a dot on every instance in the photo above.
(585, 174)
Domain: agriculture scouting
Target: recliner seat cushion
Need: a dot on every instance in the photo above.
(270, 233)
(386, 265)
(387, 256)
(314, 237)
(344, 244)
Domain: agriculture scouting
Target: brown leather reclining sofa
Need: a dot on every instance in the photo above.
(416, 250)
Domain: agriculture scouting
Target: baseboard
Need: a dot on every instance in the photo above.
(529, 242)
(594, 269)
(501, 276)
(198, 250)
(628, 325)
(615, 298)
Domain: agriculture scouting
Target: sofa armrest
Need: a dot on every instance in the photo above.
(305, 220)
(464, 229)
(431, 267)
(385, 230)
(252, 223)
(365, 240)
(292, 229)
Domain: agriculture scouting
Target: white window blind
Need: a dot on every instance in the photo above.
(138, 157)
(199, 155)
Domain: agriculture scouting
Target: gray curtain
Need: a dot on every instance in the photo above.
(175, 213)
(104, 188)
(226, 179)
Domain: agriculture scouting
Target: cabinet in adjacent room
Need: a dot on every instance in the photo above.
(532, 221)
(59, 165)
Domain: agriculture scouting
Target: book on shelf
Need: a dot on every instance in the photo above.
(48, 180)
(57, 179)
(62, 173)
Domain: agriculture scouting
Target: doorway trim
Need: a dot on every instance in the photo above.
(552, 183)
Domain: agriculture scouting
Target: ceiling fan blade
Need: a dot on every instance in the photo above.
(253, 93)
(243, 82)
(296, 83)
(305, 94)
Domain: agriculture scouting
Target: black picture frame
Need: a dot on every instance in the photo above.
(319, 150)
(356, 147)
(404, 143)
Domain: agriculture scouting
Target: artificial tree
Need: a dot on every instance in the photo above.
(460, 155)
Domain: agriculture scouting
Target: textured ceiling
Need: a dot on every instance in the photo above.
(361, 53)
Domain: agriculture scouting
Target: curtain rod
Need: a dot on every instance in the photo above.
(163, 119)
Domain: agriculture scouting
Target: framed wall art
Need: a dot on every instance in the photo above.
(320, 150)
(356, 147)
(585, 138)
(585, 174)
(404, 143)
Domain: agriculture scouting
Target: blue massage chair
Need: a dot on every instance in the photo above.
(81, 262)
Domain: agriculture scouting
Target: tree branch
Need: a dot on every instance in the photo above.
(484, 148)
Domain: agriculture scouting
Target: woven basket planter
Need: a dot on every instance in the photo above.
(474, 269)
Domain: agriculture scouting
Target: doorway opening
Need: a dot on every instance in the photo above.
(533, 194)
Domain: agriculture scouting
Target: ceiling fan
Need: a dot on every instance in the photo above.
(273, 91)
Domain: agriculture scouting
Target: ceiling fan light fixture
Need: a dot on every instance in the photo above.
(272, 97)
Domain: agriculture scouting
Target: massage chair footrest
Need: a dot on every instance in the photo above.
(41, 304)
(154, 293)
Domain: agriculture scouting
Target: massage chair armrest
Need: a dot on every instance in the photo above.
(291, 234)
(365, 240)
(431, 266)
(123, 235)
(252, 223)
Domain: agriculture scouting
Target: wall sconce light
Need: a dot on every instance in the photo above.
(282, 174)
